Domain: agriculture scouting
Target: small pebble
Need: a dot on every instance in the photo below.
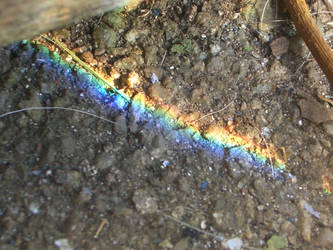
(325, 237)
(153, 78)
(99, 52)
(182, 244)
(306, 222)
(287, 227)
(166, 244)
(144, 203)
(279, 46)
(34, 208)
(63, 244)
(203, 224)
(84, 196)
(178, 212)
(234, 244)
(328, 126)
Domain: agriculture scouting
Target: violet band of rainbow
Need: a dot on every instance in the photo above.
(166, 118)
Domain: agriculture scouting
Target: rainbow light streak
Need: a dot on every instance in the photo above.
(165, 118)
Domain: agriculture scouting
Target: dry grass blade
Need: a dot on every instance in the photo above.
(328, 4)
(217, 111)
(212, 113)
(216, 236)
(55, 108)
(321, 12)
(262, 15)
(83, 64)
(268, 149)
(323, 98)
(304, 62)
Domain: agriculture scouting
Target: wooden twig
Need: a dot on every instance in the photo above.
(311, 35)
(99, 230)
(23, 19)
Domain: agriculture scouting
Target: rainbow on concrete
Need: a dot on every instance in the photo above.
(218, 140)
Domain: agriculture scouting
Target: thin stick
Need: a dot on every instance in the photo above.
(163, 58)
(55, 108)
(103, 223)
(189, 226)
(312, 36)
(23, 19)
(150, 8)
(284, 154)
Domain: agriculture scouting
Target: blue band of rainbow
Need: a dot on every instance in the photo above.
(217, 140)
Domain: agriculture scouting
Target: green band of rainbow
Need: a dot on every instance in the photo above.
(216, 139)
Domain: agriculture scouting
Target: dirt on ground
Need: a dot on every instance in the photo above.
(92, 174)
